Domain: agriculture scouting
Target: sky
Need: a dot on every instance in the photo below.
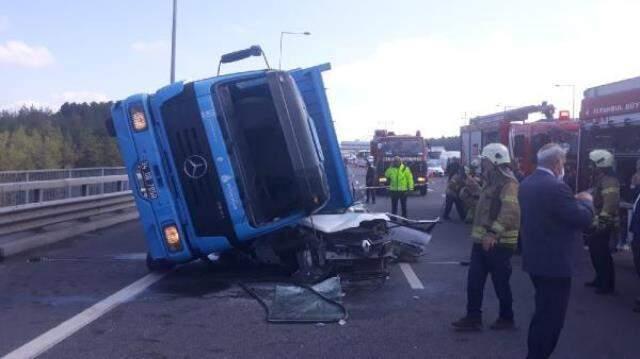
(403, 65)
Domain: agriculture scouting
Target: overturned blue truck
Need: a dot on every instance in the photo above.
(246, 162)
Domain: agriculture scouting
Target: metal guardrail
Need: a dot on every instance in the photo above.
(38, 215)
(47, 175)
(35, 199)
(19, 188)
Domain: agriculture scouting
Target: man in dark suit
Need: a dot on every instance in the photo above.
(635, 244)
(552, 224)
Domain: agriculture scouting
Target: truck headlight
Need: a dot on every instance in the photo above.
(421, 179)
(172, 237)
(382, 180)
(137, 117)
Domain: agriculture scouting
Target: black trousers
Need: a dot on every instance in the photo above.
(601, 259)
(497, 262)
(449, 202)
(371, 194)
(402, 197)
(552, 299)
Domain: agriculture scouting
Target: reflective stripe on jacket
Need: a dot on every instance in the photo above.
(400, 178)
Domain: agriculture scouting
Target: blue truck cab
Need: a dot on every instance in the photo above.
(218, 162)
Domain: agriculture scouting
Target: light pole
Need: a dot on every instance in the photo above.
(306, 33)
(573, 97)
(173, 43)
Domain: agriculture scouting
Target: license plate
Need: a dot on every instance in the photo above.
(145, 179)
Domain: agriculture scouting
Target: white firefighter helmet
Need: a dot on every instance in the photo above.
(496, 153)
(601, 158)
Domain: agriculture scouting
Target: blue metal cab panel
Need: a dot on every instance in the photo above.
(143, 157)
(312, 88)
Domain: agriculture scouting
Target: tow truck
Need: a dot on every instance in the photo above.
(248, 162)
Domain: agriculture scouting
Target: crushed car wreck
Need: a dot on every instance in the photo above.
(250, 162)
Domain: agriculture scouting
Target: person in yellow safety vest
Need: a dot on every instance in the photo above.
(470, 193)
(400, 180)
(495, 229)
(606, 201)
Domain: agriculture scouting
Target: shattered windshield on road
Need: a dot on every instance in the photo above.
(403, 147)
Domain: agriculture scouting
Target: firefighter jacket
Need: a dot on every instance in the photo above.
(400, 178)
(455, 184)
(606, 201)
(469, 194)
(497, 211)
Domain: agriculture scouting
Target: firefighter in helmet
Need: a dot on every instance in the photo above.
(470, 191)
(606, 200)
(453, 194)
(494, 232)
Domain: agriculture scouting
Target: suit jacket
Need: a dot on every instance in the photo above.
(551, 225)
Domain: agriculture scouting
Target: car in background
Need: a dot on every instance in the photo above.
(349, 159)
(434, 169)
(362, 157)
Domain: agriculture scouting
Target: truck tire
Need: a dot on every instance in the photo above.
(423, 191)
(158, 265)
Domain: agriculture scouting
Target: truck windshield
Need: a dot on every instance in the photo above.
(269, 138)
(403, 147)
(257, 142)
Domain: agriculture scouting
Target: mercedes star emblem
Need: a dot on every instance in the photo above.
(195, 166)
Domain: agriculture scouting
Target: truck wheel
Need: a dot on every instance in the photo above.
(158, 265)
(423, 191)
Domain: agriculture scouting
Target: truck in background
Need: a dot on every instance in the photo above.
(495, 127)
(411, 150)
(610, 119)
(526, 139)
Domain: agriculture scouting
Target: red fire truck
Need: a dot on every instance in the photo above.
(526, 139)
(496, 127)
(610, 119)
(411, 150)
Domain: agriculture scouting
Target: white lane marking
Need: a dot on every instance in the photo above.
(67, 328)
(411, 276)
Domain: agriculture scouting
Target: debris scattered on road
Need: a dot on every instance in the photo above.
(290, 303)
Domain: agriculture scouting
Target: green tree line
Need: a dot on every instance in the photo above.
(75, 136)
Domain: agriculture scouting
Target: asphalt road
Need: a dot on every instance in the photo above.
(199, 311)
